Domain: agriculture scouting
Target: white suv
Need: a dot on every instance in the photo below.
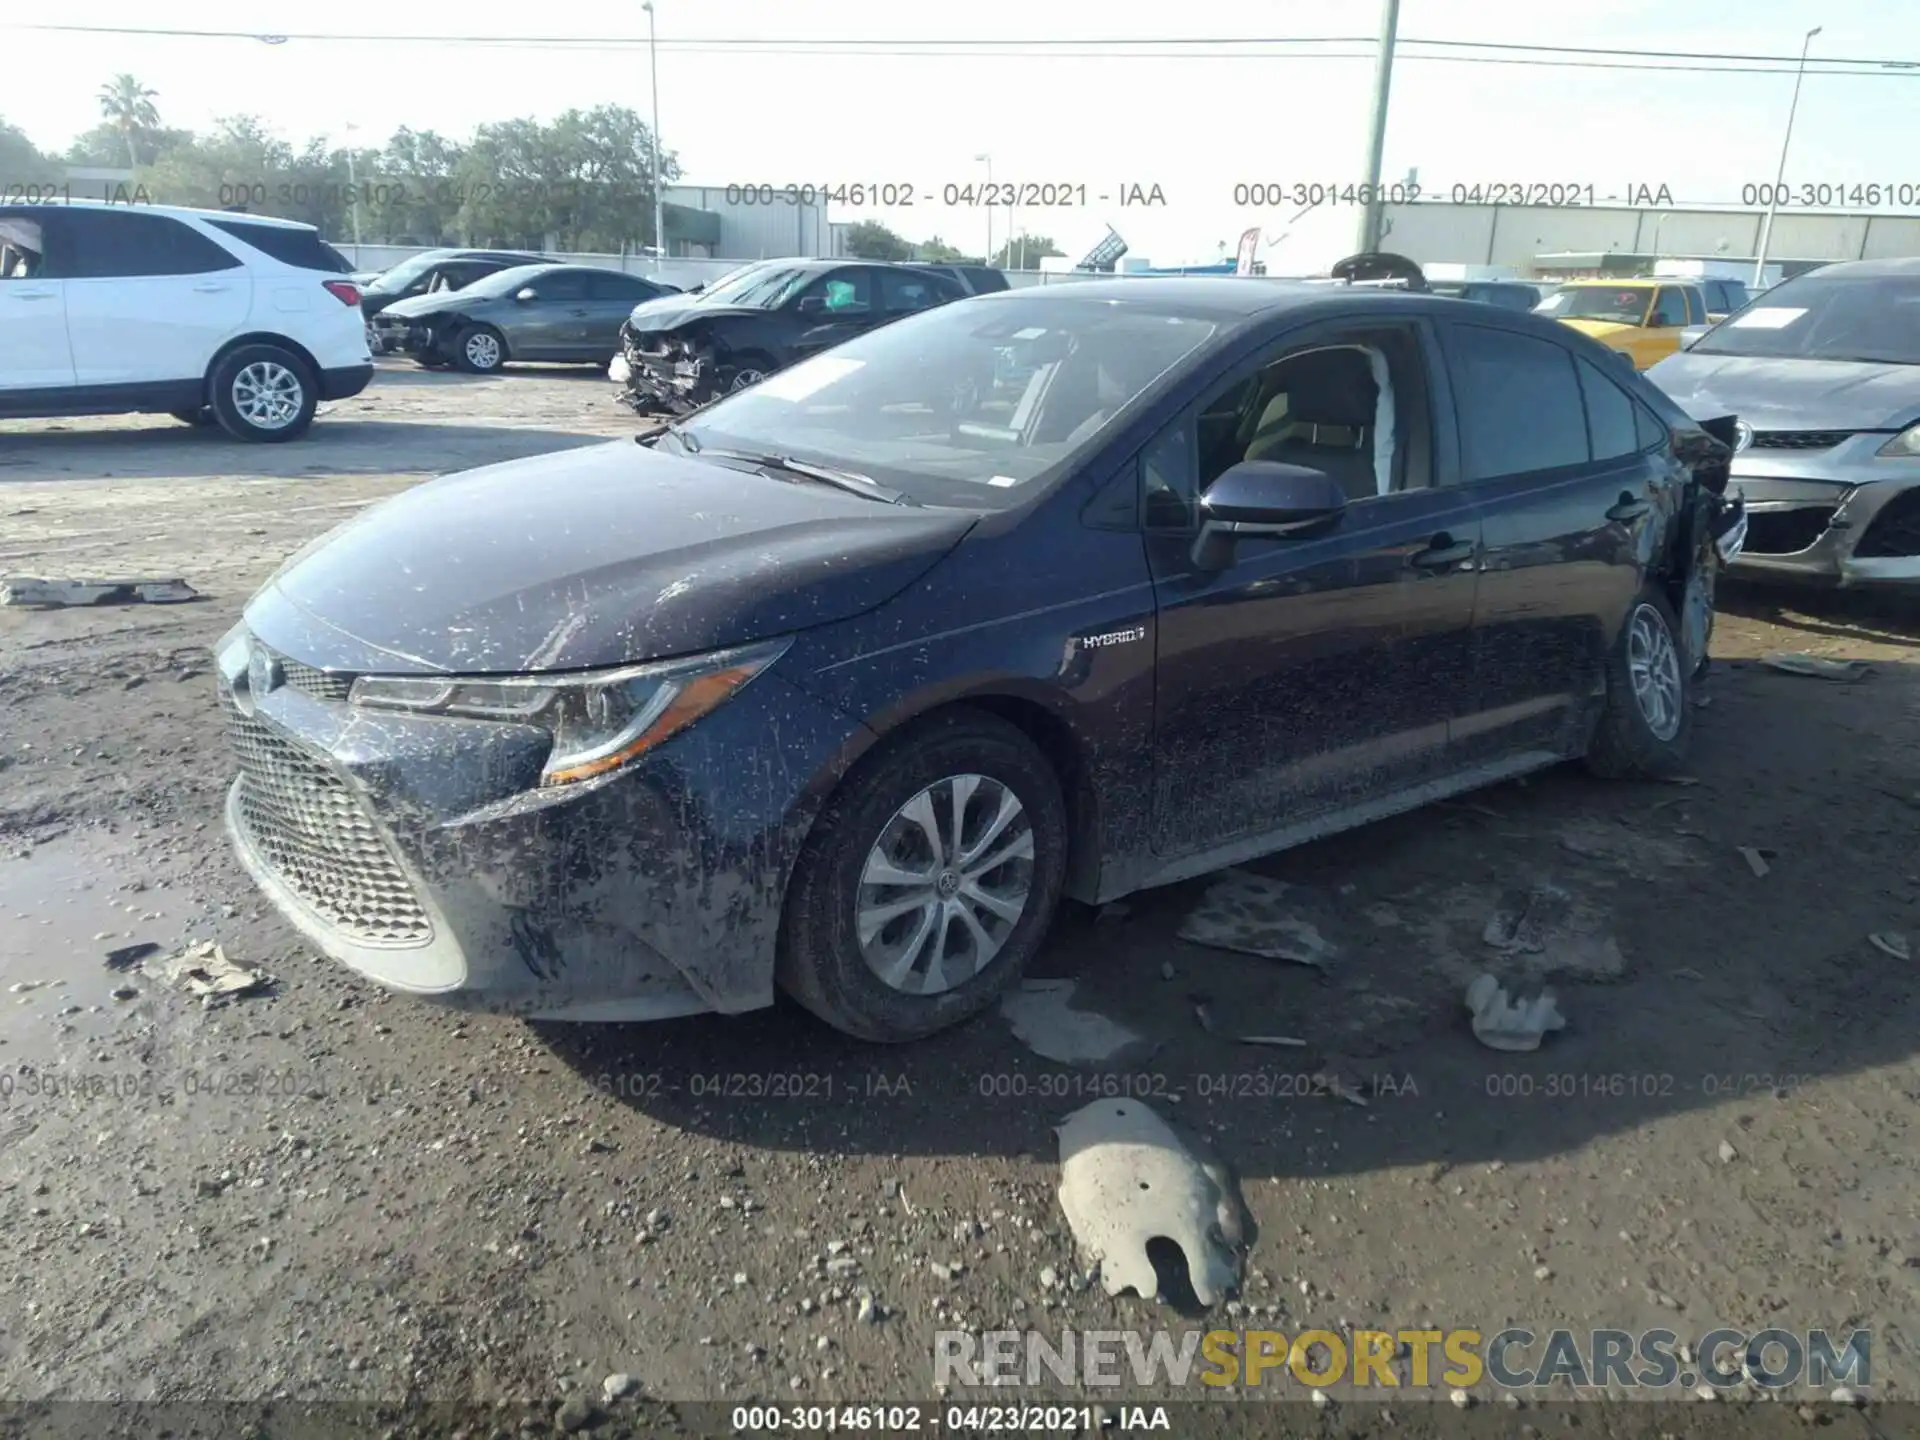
(207, 315)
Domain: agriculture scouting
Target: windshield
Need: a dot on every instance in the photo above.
(1826, 317)
(761, 288)
(1622, 304)
(969, 404)
(392, 282)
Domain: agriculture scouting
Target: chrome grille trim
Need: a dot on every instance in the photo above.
(320, 684)
(1800, 439)
(307, 825)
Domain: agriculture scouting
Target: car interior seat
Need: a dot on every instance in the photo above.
(1323, 419)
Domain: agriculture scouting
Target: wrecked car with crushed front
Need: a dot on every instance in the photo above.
(842, 685)
(756, 322)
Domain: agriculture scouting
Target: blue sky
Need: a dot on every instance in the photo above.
(1193, 126)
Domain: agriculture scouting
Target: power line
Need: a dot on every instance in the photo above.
(1235, 48)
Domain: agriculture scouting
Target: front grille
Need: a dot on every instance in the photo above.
(1895, 531)
(320, 684)
(310, 829)
(1800, 439)
(1786, 532)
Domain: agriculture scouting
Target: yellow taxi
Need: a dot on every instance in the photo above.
(1642, 318)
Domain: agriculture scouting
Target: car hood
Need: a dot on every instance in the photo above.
(416, 306)
(1770, 393)
(1601, 330)
(670, 312)
(608, 555)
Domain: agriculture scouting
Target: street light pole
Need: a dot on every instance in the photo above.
(1779, 179)
(988, 258)
(1372, 211)
(659, 200)
(353, 194)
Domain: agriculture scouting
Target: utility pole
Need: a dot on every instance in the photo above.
(987, 259)
(1372, 212)
(1780, 179)
(659, 181)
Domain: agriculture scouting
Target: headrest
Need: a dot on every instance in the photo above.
(1334, 387)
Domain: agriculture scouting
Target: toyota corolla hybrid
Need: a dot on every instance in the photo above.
(842, 685)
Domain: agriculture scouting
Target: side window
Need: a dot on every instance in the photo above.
(618, 287)
(1519, 403)
(1669, 307)
(562, 286)
(122, 243)
(22, 248)
(847, 292)
(902, 291)
(1610, 415)
(1168, 483)
(1651, 432)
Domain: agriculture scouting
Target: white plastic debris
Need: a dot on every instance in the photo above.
(25, 591)
(1126, 1178)
(205, 970)
(1501, 1023)
(1798, 662)
(1256, 916)
(1891, 943)
(1043, 1019)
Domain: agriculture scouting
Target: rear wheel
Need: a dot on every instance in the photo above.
(1647, 725)
(929, 881)
(748, 370)
(263, 393)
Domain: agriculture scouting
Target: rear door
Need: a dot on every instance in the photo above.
(1572, 486)
(148, 298)
(34, 351)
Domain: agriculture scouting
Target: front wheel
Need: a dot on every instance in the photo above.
(929, 881)
(479, 350)
(1647, 725)
(264, 394)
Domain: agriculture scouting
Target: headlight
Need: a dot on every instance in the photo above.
(599, 720)
(1904, 446)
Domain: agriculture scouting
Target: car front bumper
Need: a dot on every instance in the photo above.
(1829, 532)
(420, 851)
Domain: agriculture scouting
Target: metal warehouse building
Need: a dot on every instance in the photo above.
(744, 222)
(1534, 238)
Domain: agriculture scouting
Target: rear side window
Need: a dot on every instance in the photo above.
(303, 249)
(1669, 307)
(902, 291)
(984, 279)
(1519, 403)
(1610, 415)
(619, 287)
(123, 243)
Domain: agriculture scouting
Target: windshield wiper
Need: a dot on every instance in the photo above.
(851, 481)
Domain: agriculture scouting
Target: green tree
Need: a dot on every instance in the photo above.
(105, 148)
(584, 182)
(870, 240)
(1024, 252)
(128, 107)
(21, 162)
(241, 163)
(938, 252)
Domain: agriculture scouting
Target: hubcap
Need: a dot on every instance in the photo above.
(744, 378)
(945, 884)
(268, 395)
(1654, 667)
(483, 351)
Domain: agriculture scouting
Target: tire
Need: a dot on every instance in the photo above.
(1645, 729)
(822, 963)
(201, 418)
(263, 394)
(480, 350)
(750, 369)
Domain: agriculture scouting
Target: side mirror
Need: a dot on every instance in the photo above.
(527, 294)
(1622, 358)
(1264, 497)
(697, 289)
(812, 304)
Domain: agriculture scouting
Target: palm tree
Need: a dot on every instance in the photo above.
(128, 107)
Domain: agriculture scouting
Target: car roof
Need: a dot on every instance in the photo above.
(1219, 296)
(1902, 267)
(175, 212)
(1632, 282)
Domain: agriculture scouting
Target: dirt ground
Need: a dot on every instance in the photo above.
(326, 1193)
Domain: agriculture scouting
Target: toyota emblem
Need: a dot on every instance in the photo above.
(1742, 435)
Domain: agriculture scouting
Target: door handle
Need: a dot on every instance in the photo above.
(1443, 554)
(29, 294)
(211, 289)
(579, 312)
(1628, 509)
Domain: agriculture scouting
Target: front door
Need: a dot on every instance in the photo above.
(1572, 478)
(834, 308)
(552, 325)
(148, 298)
(34, 351)
(1313, 673)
